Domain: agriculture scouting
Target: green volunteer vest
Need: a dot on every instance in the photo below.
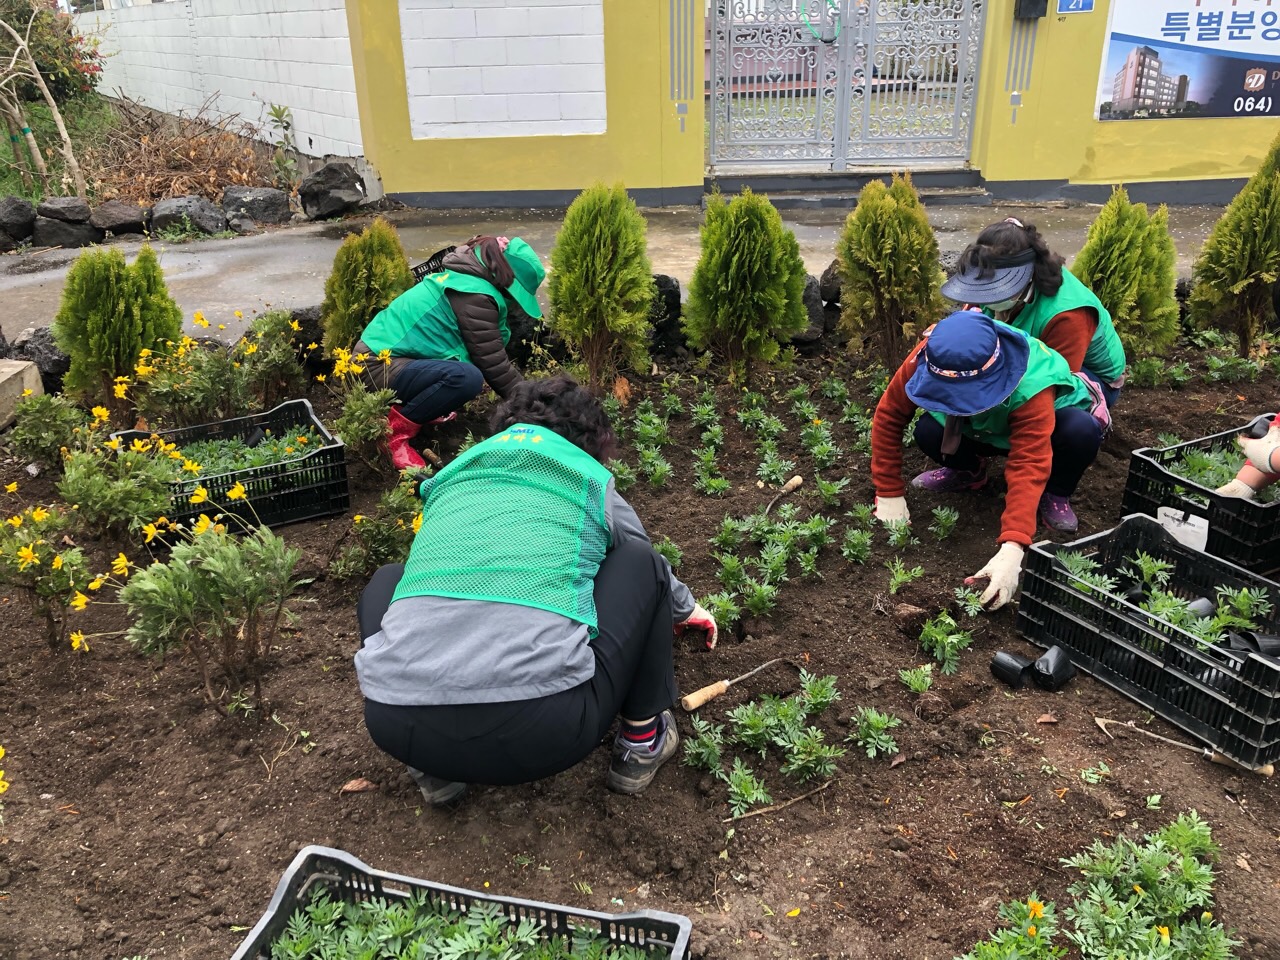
(519, 518)
(420, 325)
(1045, 369)
(1105, 356)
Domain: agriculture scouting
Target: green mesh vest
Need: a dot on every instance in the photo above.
(420, 324)
(1105, 356)
(519, 518)
(1045, 369)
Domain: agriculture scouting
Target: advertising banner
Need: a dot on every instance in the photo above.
(1166, 59)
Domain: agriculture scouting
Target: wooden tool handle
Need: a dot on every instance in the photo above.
(1266, 770)
(696, 699)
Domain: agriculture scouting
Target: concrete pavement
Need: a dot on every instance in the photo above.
(288, 266)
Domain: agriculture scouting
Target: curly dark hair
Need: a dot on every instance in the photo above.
(560, 404)
(1009, 238)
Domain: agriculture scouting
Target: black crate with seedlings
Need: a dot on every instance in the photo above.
(1179, 631)
(1182, 477)
(303, 487)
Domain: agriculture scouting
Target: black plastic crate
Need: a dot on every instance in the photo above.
(1228, 699)
(433, 264)
(665, 935)
(313, 485)
(1242, 531)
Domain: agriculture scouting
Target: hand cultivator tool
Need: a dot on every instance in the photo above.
(1266, 770)
(712, 690)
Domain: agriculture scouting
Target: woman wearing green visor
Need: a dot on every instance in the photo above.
(446, 337)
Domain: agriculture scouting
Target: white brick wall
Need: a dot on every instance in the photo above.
(504, 68)
(171, 56)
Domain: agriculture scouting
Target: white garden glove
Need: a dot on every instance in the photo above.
(1002, 571)
(892, 510)
(1236, 488)
(700, 619)
(1260, 452)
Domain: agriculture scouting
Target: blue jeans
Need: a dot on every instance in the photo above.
(428, 389)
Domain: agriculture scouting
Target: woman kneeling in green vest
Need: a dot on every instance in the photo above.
(446, 336)
(1011, 273)
(532, 611)
(988, 390)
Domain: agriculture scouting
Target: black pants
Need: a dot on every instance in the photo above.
(1076, 440)
(525, 740)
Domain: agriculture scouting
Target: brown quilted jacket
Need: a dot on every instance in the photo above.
(478, 322)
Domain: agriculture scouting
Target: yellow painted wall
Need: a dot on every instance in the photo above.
(1056, 136)
(643, 145)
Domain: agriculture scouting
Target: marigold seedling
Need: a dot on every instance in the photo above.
(944, 521)
(970, 601)
(900, 576)
(758, 598)
(918, 679)
(774, 469)
(944, 640)
(835, 390)
(872, 732)
(856, 546)
(808, 757)
(724, 609)
(829, 490)
(746, 790)
(669, 550)
(900, 534)
(703, 750)
(817, 692)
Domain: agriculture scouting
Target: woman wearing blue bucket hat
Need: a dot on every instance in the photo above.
(988, 390)
(442, 340)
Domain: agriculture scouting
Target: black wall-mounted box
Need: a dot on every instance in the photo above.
(1030, 9)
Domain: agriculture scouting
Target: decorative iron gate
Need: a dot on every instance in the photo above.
(830, 83)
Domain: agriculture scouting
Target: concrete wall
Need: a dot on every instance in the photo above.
(173, 56)
(524, 68)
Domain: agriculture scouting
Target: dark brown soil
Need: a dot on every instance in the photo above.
(140, 823)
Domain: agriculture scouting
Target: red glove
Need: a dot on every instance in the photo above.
(701, 620)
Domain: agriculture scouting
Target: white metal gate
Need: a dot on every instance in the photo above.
(834, 83)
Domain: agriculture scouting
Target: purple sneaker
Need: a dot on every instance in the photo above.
(1057, 514)
(946, 480)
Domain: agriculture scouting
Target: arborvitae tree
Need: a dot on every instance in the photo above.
(369, 271)
(748, 287)
(889, 273)
(602, 283)
(1128, 260)
(110, 313)
(1238, 267)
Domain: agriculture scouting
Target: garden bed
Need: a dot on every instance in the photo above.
(140, 823)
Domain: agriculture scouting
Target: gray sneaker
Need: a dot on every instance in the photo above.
(437, 792)
(631, 771)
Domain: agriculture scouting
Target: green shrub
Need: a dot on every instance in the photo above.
(221, 595)
(382, 538)
(110, 313)
(44, 426)
(369, 271)
(116, 491)
(889, 273)
(362, 424)
(1240, 262)
(272, 367)
(601, 282)
(35, 559)
(748, 285)
(1128, 260)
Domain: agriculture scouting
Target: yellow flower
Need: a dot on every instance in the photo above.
(384, 356)
(191, 466)
(355, 368)
(11, 487)
(174, 455)
(39, 514)
(239, 315)
(122, 390)
(1164, 935)
(199, 320)
(237, 492)
(79, 601)
(302, 439)
(14, 522)
(1, 753)
(101, 413)
(97, 582)
(1031, 930)
(295, 325)
(150, 530)
(140, 446)
(1138, 890)
(4, 784)
(222, 326)
(143, 370)
(1035, 909)
(320, 378)
(357, 518)
(250, 349)
(288, 450)
(120, 565)
(26, 392)
(57, 561)
(199, 495)
(313, 345)
(113, 443)
(27, 557)
(78, 642)
(203, 524)
(144, 353)
(417, 523)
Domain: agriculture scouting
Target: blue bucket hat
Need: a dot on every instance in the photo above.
(969, 364)
(1002, 279)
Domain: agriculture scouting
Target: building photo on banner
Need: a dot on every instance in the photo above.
(1190, 58)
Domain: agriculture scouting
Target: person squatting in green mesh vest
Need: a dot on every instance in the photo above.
(531, 612)
(446, 337)
(1011, 273)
